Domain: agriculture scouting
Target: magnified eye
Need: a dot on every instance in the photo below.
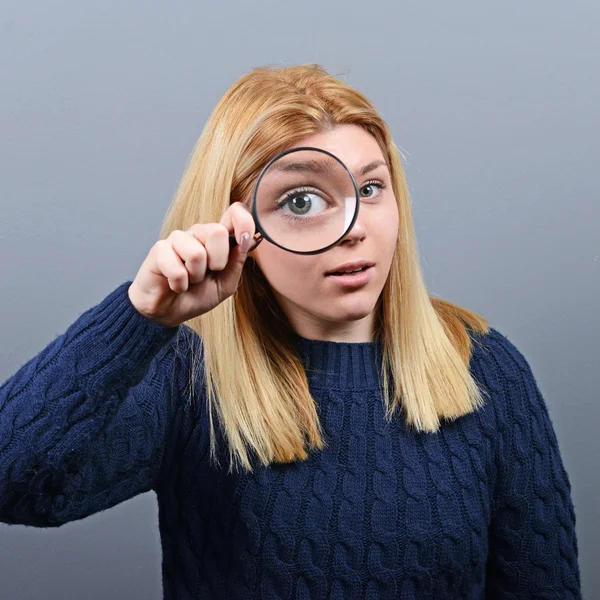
(300, 203)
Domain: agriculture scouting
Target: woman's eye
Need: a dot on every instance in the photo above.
(304, 203)
(371, 190)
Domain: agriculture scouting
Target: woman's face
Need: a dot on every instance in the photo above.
(323, 306)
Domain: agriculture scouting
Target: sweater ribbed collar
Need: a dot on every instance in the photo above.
(341, 365)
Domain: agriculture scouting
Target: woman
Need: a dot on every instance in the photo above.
(306, 437)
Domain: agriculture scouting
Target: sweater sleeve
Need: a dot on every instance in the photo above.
(84, 423)
(533, 550)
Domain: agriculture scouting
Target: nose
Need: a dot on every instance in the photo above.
(357, 234)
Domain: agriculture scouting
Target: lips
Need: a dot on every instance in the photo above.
(350, 267)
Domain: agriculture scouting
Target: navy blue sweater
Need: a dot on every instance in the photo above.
(481, 509)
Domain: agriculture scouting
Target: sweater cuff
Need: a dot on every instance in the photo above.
(116, 323)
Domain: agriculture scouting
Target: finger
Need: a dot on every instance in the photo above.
(192, 253)
(238, 220)
(171, 267)
(229, 278)
(215, 239)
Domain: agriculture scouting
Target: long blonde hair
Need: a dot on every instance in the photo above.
(255, 382)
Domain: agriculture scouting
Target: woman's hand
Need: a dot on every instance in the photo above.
(190, 272)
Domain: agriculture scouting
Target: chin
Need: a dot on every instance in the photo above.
(350, 309)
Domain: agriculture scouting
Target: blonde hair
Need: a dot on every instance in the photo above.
(255, 381)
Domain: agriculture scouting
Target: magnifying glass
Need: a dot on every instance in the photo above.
(305, 201)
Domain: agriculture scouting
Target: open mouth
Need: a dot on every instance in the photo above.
(350, 272)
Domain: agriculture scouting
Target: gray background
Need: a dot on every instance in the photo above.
(496, 108)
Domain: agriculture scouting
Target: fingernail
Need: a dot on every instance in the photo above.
(245, 242)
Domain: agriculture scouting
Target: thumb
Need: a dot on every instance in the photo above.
(230, 275)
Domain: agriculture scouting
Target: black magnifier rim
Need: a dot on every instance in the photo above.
(259, 227)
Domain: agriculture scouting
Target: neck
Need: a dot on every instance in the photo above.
(351, 332)
(311, 328)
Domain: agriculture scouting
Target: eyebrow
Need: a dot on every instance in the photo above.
(316, 166)
(371, 167)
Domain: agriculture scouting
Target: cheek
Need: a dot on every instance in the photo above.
(387, 226)
(289, 274)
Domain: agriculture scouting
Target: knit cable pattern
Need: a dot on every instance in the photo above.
(480, 510)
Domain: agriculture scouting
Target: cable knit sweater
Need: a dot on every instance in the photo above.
(480, 510)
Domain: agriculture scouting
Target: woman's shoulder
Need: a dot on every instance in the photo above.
(498, 355)
(504, 373)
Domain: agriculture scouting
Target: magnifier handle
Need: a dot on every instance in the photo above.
(233, 242)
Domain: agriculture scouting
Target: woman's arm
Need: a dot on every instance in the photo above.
(83, 424)
(533, 549)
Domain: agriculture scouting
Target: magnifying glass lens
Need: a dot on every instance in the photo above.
(305, 201)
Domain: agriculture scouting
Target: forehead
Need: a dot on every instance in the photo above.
(352, 144)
